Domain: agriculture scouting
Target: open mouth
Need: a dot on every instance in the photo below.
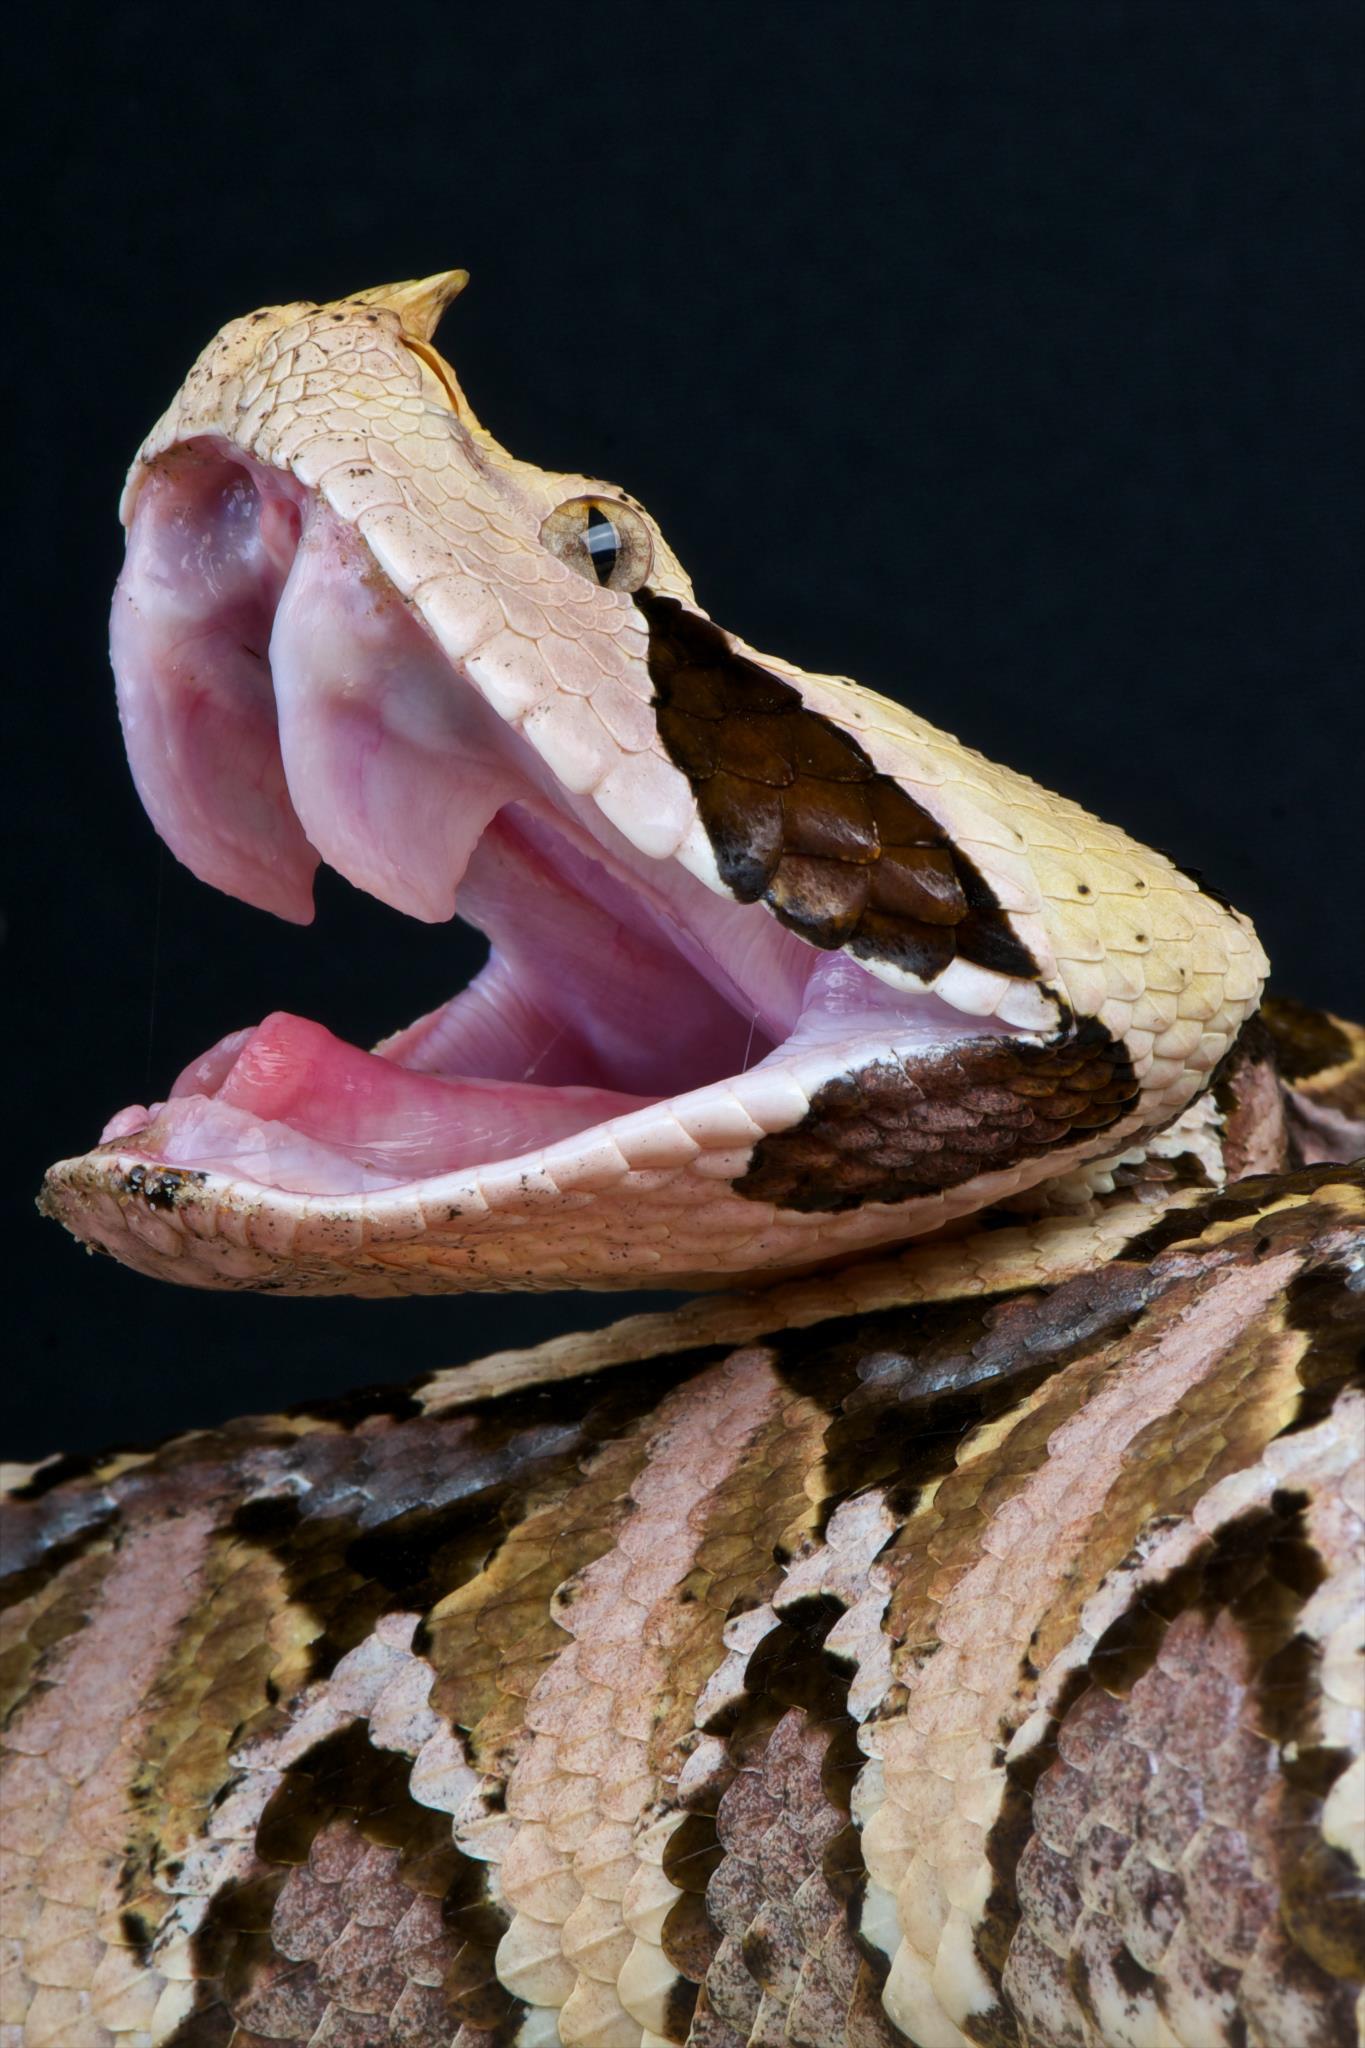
(777, 973)
(283, 705)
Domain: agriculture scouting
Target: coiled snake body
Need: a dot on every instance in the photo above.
(958, 1645)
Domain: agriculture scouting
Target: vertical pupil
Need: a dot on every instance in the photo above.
(604, 548)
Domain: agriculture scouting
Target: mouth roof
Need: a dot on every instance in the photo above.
(281, 704)
(587, 1009)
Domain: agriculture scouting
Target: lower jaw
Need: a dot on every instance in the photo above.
(650, 1201)
(259, 1192)
(292, 1107)
(289, 1107)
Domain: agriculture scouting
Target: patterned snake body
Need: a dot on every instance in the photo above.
(962, 1647)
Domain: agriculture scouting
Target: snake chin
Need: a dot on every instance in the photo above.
(282, 705)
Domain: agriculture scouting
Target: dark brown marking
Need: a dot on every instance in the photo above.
(800, 818)
(1323, 1908)
(1306, 1041)
(1258, 1570)
(789, 1668)
(388, 1518)
(346, 1781)
(1257, 1566)
(1321, 1059)
(679, 2006)
(1247, 1198)
(889, 1132)
(1183, 1170)
(1327, 1303)
(905, 1386)
(791, 1678)
(59, 1471)
(1247, 1090)
(1322, 1903)
(363, 1404)
(137, 1933)
(899, 1388)
(54, 1559)
(1005, 1844)
(400, 1520)
(346, 1777)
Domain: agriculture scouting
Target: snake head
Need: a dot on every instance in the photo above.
(778, 973)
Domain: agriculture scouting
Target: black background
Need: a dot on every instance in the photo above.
(1002, 356)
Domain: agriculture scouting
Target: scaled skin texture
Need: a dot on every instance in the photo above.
(779, 973)
(947, 1652)
(961, 1646)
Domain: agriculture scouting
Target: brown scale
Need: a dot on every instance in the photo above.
(1244, 1200)
(900, 1388)
(1246, 1089)
(1307, 1042)
(907, 1386)
(49, 1600)
(369, 1534)
(1089, 1326)
(1172, 1465)
(799, 818)
(760, 1517)
(1322, 1058)
(889, 1133)
(490, 1636)
(343, 1831)
(767, 1873)
(1216, 1429)
(503, 1461)
(1173, 1786)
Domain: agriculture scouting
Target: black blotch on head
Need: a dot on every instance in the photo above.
(159, 1186)
(888, 1132)
(799, 817)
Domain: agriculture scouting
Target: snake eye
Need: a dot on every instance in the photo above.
(602, 539)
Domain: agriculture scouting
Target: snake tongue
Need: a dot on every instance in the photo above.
(393, 767)
(294, 1096)
(188, 635)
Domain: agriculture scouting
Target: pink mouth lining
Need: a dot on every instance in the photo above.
(280, 701)
(261, 1092)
